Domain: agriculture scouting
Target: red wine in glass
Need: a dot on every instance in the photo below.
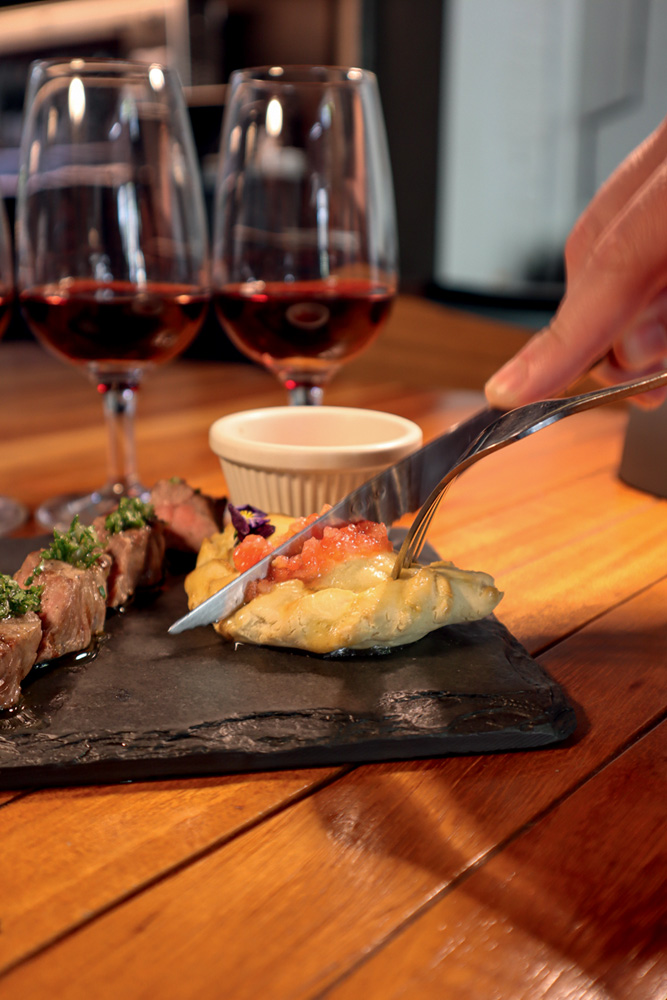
(109, 324)
(305, 249)
(112, 240)
(303, 329)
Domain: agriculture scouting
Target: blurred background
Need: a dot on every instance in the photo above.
(503, 116)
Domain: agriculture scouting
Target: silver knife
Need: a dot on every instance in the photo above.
(401, 488)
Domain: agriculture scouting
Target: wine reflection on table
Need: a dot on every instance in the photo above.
(112, 240)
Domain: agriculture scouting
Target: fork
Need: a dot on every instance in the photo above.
(506, 429)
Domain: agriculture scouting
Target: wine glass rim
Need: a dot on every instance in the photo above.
(306, 74)
(93, 65)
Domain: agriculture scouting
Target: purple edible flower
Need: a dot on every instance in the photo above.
(250, 520)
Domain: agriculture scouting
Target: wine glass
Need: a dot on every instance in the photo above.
(12, 513)
(305, 249)
(111, 239)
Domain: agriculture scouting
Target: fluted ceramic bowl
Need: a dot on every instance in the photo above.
(294, 459)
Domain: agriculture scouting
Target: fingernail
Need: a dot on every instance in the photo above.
(503, 388)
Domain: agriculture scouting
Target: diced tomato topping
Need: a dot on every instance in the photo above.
(318, 555)
(299, 524)
(250, 551)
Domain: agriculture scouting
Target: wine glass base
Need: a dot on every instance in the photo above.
(58, 512)
(12, 515)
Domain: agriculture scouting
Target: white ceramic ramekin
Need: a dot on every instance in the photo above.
(294, 459)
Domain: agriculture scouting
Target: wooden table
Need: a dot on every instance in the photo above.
(514, 875)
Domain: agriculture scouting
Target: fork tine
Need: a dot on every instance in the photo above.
(413, 543)
(427, 523)
(416, 536)
(420, 536)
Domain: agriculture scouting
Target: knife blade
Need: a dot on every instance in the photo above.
(401, 488)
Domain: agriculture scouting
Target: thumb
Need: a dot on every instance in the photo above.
(623, 272)
(547, 364)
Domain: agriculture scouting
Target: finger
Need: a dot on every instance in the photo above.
(608, 372)
(614, 194)
(650, 400)
(641, 348)
(621, 275)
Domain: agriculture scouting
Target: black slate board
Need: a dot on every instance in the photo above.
(152, 705)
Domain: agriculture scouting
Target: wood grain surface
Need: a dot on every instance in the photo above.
(524, 875)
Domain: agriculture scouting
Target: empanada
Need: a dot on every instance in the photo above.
(355, 604)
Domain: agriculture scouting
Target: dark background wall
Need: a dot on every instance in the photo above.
(402, 43)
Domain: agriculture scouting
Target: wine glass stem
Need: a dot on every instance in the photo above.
(119, 402)
(305, 395)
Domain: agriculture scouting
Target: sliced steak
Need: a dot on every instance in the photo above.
(137, 560)
(19, 642)
(73, 603)
(189, 516)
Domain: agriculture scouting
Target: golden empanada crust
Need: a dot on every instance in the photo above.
(357, 605)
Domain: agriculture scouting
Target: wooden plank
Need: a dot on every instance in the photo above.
(574, 908)
(517, 534)
(571, 586)
(535, 467)
(97, 845)
(321, 885)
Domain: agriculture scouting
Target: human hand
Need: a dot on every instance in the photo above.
(613, 317)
